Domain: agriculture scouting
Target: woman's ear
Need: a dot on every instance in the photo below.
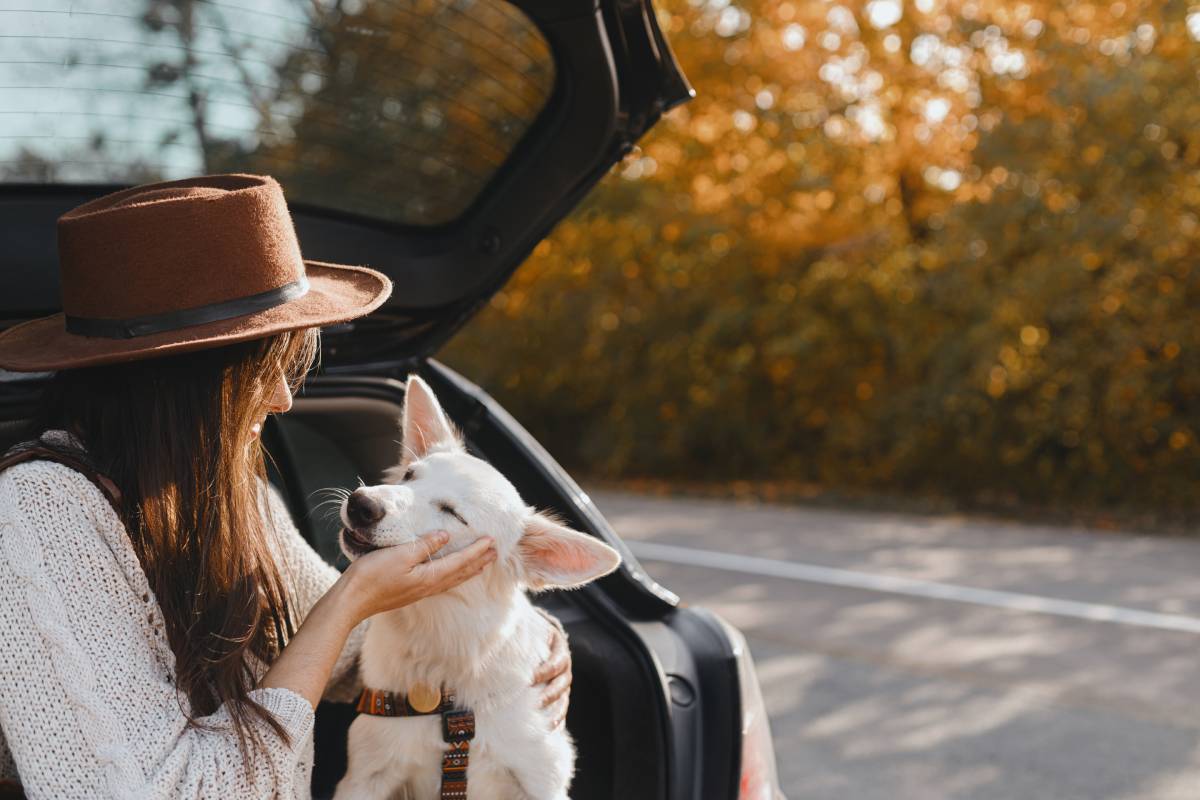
(424, 424)
(556, 557)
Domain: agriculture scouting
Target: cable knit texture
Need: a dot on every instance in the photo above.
(88, 704)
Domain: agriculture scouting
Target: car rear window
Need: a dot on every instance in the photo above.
(400, 110)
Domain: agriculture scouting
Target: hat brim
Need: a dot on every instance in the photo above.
(336, 293)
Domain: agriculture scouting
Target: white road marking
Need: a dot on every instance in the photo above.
(891, 584)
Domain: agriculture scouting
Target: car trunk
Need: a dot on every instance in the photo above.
(436, 140)
(344, 429)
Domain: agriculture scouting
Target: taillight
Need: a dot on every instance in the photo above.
(759, 779)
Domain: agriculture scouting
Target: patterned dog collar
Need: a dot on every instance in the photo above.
(458, 729)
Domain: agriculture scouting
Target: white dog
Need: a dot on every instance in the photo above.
(482, 639)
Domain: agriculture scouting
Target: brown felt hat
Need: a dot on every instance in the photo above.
(184, 265)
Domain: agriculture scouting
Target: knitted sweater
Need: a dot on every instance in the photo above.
(88, 705)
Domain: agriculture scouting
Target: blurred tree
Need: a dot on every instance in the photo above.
(941, 247)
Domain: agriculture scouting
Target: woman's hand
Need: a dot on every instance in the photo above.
(393, 577)
(376, 582)
(553, 676)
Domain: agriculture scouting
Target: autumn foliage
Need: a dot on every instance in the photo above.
(941, 248)
(925, 247)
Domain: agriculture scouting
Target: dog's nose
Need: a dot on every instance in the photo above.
(363, 510)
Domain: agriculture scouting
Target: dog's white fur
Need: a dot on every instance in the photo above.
(482, 638)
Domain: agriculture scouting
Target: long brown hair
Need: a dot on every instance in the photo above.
(174, 435)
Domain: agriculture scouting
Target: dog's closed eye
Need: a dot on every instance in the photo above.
(446, 508)
(408, 476)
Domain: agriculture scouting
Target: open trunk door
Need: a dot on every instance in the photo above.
(436, 140)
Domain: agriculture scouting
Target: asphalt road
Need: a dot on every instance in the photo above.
(940, 657)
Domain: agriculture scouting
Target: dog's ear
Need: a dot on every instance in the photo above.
(425, 426)
(557, 557)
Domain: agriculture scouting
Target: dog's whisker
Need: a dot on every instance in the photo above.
(418, 542)
(331, 507)
(336, 491)
(330, 501)
(327, 509)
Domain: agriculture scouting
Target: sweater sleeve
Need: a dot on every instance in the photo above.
(88, 704)
(310, 577)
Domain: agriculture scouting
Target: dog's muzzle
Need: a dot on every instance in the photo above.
(357, 543)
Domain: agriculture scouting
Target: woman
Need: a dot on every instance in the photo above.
(168, 633)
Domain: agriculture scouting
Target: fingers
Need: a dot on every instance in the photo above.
(558, 713)
(427, 544)
(455, 568)
(558, 662)
(558, 644)
(557, 690)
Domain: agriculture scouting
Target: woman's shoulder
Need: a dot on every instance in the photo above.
(55, 462)
(42, 485)
(59, 506)
(56, 525)
(38, 473)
